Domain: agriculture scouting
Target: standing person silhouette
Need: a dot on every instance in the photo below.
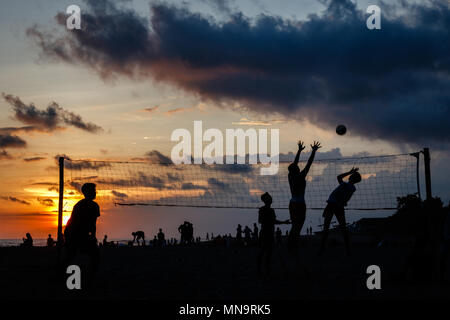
(239, 234)
(50, 241)
(268, 220)
(79, 234)
(336, 205)
(255, 232)
(161, 238)
(247, 235)
(297, 184)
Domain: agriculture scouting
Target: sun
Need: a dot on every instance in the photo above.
(66, 217)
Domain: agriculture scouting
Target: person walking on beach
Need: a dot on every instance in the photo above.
(336, 203)
(297, 184)
(80, 231)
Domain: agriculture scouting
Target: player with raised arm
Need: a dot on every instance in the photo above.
(297, 184)
(336, 203)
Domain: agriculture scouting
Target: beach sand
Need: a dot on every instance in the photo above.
(206, 271)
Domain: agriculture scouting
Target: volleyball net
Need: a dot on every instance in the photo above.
(131, 183)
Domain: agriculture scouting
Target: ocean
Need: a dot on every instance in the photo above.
(40, 242)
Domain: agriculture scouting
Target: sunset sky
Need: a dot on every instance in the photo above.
(116, 90)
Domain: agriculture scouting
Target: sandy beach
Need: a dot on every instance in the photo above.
(207, 271)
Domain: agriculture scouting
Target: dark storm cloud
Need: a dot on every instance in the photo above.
(119, 194)
(140, 179)
(334, 153)
(11, 141)
(152, 109)
(390, 84)
(5, 155)
(50, 119)
(33, 159)
(21, 129)
(13, 199)
(155, 156)
(213, 182)
(191, 186)
(46, 202)
(81, 164)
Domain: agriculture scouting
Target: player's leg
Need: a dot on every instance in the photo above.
(268, 256)
(297, 214)
(340, 216)
(328, 215)
(302, 216)
(259, 261)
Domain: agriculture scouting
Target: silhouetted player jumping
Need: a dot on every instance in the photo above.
(336, 203)
(268, 220)
(297, 184)
(79, 234)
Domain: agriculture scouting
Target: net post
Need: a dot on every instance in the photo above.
(426, 156)
(60, 206)
(417, 156)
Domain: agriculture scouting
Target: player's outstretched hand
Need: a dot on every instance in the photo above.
(301, 146)
(354, 170)
(316, 145)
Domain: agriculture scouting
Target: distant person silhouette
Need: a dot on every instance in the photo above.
(255, 232)
(336, 205)
(278, 237)
(27, 241)
(139, 235)
(190, 232)
(297, 184)
(247, 235)
(239, 233)
(182, 231)
(207, 236)
(79, 234)
(50, 241)
(268, 220)
(187, 232)
(161, 238)
(105, 240)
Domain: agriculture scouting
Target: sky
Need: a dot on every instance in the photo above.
(138, 70)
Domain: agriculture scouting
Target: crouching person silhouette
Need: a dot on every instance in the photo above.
(79, 234)
(336, 203)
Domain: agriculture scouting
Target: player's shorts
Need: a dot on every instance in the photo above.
(333, 209)
(266, 241)
(297, 212)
